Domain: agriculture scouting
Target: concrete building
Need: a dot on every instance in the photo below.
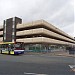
(37, 35)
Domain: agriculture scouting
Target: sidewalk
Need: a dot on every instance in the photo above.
(66, 54)
(57, 53)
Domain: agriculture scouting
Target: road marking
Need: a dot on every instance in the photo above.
(33, 73)
(29, 73)
(41, 74)
(72, 67)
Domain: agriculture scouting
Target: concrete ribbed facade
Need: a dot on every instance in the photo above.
(42, 32)
(1, 33)
(40, 28)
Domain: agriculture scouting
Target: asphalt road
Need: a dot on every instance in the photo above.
(35, 65)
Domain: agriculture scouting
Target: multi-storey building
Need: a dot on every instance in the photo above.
(1, 33)
(36, 35)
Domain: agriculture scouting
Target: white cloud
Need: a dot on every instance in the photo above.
(58, 12)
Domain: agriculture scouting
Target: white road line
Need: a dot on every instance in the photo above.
(33, 73)
(72, 66)
(30, 73)
(41, 74)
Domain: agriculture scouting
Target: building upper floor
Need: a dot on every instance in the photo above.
(39, 28)
(42, 24)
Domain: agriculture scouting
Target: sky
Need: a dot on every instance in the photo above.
(60, 13)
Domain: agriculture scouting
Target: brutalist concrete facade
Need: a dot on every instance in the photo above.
(9, 29)
(37, 35)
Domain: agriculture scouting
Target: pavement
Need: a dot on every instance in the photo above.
(58, 53)
(64, 54)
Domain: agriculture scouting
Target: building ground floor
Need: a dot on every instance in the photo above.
(36, 47)
(43, 48)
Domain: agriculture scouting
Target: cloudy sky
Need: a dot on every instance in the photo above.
(58, 12)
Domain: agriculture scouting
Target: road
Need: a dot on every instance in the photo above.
(35, 65)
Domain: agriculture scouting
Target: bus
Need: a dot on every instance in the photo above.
(12, 48)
